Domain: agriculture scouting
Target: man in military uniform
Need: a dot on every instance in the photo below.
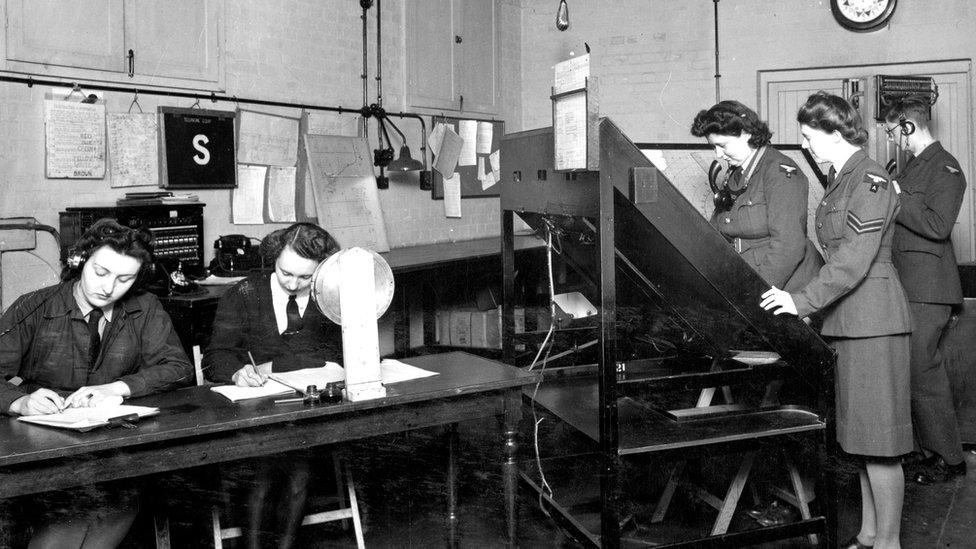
(932, 185)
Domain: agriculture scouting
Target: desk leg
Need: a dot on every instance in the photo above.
(452, 512)
(510, 474)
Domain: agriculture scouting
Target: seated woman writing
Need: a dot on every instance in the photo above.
(92, 337)
(269, 317)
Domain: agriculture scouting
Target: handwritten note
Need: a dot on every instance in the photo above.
(74, 139)
(452, 196)
(267, 139)
(133, 149)
(248, 197)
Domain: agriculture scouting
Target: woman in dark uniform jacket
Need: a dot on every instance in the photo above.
(762, 207)
(866, 315)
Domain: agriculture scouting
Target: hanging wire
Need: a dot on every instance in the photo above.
(135, 101)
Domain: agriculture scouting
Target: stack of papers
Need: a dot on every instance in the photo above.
(86, 419)
(270, 388)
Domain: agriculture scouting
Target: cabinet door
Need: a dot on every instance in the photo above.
(430, 54)
(174, 38)
(80, 33)
(477, 57)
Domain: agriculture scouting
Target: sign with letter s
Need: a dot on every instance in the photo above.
(198, 149)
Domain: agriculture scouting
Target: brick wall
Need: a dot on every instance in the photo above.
(656, 60)
(303, 51)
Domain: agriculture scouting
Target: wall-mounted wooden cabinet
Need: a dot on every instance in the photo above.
(452, 55)
(147, 42)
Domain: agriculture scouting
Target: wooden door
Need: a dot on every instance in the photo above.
(430, 36)
(477, 56)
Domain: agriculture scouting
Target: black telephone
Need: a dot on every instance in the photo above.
(234, 255)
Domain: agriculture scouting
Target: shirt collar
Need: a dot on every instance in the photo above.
(86, 307)
(749, 166)
(280, 296)
(929, 151)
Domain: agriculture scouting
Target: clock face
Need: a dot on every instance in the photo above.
(862, 15)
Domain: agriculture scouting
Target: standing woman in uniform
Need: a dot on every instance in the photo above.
(866, 315)
(762, 207)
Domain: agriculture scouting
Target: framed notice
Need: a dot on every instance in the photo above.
(198, 149)
(576, 134)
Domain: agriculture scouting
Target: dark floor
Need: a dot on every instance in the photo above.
(400, 480)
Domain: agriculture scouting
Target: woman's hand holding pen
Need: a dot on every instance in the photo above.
(41, 401)
(248, 376)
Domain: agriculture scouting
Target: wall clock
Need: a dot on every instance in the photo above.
(862, 15)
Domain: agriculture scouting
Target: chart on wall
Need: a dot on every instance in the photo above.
(475, 146)
(344, 189)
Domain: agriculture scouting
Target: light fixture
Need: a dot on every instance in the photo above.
(562, 16)
(405, 163)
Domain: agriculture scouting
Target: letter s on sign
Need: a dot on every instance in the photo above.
(199, 141)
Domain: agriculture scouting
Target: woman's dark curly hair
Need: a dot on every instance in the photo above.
(829, 113)
(308, 240)
(732, 118)
(133, 242)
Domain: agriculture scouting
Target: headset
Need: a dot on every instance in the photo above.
(907, 126)
(722, 196)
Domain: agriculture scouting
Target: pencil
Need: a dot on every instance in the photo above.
(255, 364)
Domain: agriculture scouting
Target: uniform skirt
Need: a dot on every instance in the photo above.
(873, 395)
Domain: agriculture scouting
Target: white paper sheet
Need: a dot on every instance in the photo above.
(571, 74)
(248, 200)
(485, 130)
(235, 393)
(452, 196)
(435, 138)
(480, 170)
(489, 181)
(281, 194)
(495, 158)
(267, 139)
(74, 140)
(84, 419)
(448, 153)
(133, 149)
(468, 130)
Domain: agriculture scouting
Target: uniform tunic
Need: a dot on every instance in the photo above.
(767, 224)
(865, 310)
(932, 193)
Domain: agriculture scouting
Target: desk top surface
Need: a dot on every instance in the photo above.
(196, 411)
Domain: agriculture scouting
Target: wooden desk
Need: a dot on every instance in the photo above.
(197, 426)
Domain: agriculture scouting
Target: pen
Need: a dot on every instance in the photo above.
(255, 364)
(289, 400)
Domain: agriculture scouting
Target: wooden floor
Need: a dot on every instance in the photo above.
(400, 479)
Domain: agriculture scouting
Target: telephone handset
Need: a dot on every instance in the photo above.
(235, 255)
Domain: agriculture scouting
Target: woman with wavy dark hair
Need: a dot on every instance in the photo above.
(865, 312)
(92, 338)
(271, 318)
(761, 207)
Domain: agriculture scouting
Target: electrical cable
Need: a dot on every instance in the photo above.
(546, 489)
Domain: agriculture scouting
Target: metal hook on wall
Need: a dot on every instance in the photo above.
(135, 101)
(196, 104)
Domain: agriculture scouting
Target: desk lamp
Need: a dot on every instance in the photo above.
(353, 288)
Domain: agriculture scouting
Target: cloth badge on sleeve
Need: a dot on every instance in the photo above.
(952, 169)
(864, 227)
(875, 181)
(787, 169)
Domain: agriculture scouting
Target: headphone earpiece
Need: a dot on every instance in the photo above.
(907, 127)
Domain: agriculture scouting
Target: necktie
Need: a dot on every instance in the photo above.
(294, 318)
(94, 340)
(831, 175)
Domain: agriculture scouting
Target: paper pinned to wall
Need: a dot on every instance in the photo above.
(569, 132)
(344, 187)
(248, 198)
(448, 152)
(489, 181)
(133, 149)
(452, 196)
(267, 139)
(480, 172)
(74, 140)
(468, 130)
(436, 137)
(495, 159)
(485, 130)
(281, 194)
